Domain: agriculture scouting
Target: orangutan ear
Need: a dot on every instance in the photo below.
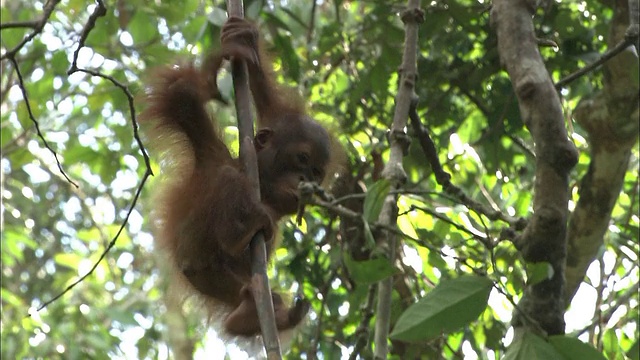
(263, 137)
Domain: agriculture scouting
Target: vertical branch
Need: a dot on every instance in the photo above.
(544, 238)
(610, 118)
(259, 280)
(634, 23)
(393, 170)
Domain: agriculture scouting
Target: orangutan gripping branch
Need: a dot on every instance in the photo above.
(205, 210)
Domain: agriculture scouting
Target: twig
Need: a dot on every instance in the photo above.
(25, 96)
(132, 111)
(428, 147)
(312, 22)
(32, 24)
(362, 332)
(313, 344)
(37, 29)
(634, 23)
(629, 40)
(259, 279)
(347, 213)
(487, 242)
(100, 10)
(443, 178)
(148, 172)
(105, 251)
(613, 306)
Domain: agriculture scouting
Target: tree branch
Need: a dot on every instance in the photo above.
(610, 118)
(544, 238)
(259, 280)
(35, 122)
(621, 46)
(393, 170)
(38, 25)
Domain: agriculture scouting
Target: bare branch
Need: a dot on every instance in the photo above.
(362, 332)
(148, 172)
(412, 16)
(37, 29)
(610, 118)
(25, 96)
(32, 24)
(108, 248)
(621, 46)
(132, 111)
(100, 10)
(259, 279)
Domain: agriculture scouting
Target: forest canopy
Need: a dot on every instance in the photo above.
(486, 207)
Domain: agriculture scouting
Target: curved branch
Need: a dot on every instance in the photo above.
(38, 25)
(35, 122)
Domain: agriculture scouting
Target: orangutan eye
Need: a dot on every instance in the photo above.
(318, 174)
(303, 159)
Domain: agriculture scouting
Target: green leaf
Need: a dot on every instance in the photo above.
(370, 241)
(143, 27)
(447, 308)
(290, 60)
(274, 20)
(634, 351)
(217, 16)
(375, 199)
(435, 259)
(574, 349)
(538, 272)
(68, 260)
(530, 346)
(369, 271)
(612, 345)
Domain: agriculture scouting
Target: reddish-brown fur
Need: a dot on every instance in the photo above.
(205, 210)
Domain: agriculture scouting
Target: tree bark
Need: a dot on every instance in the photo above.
(544, 238)
(611, 120)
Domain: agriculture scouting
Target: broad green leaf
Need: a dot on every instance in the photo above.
(375, 199)
(611, 344)
(452, 305)
(538, 272)
(69, 260)
(369, 271)
(435, 259)
(195, 29)
(574, 349)
(530, 347)
(11, 299)
(88, 235)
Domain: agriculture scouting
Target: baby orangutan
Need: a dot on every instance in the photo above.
(206, 211)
